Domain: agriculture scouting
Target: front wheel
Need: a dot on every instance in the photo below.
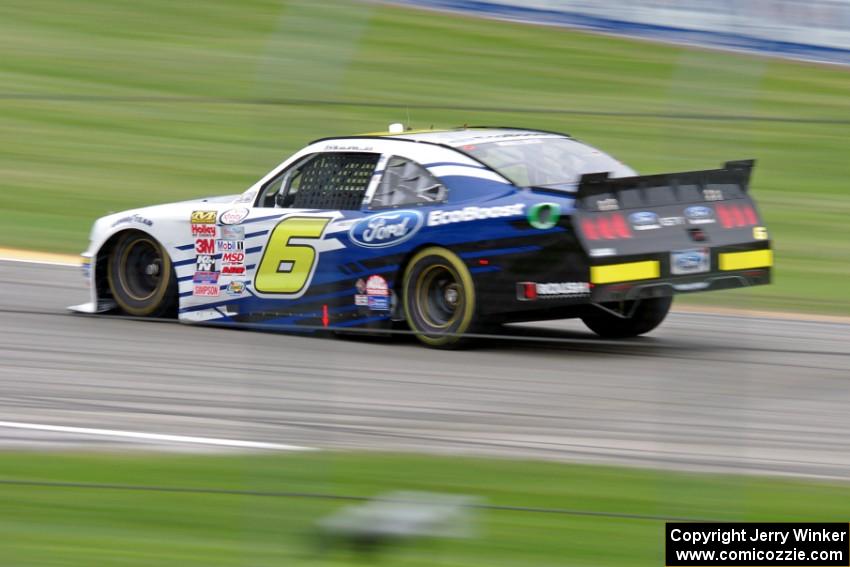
(141, 277)
(638, 319)
(438, 295)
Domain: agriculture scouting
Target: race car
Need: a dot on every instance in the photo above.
(445, 232)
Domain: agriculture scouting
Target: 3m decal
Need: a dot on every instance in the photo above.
(203, 217)
(286, 267)
(204, 246)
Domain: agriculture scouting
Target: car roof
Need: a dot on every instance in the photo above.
(466, 135)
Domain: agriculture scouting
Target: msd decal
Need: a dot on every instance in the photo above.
(385, 229)
(233, 257)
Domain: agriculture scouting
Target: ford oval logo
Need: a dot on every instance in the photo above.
(689, 261)
(643, 218)
(699, 212)
(385, 229)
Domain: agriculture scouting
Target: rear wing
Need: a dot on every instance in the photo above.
(599, 192)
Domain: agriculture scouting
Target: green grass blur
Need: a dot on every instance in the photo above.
(50, 526)
(194, 106)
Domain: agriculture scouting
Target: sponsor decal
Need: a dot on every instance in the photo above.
(759, 233)
(385, 229)
(247, 197)
(203, 230)
(204, 263)
(544, 215)
(671, 221)
(229, 245)
(205, 290)
(465, 214)
(693, 286)
(85, 265)
(205, 278)
(602, 252)
(347, 148)
(203, 217)
(233, 257)
(233, 216)
(229, 232)
(204, 246)
(607, 204)
(378, 303)
(700, 215)
(644, 220)
(361, 300)
(235, 287)
(530, 291)
(376, 285)
(233, 270)
(694, 261)
(133, 219)
(361, 286)
(712, 194)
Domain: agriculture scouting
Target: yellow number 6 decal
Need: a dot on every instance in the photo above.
(287, 268)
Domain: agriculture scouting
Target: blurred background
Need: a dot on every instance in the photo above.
(113, 104)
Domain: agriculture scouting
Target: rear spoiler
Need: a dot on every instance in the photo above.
(599, 192)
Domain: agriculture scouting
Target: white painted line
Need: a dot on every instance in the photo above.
(42, 262)
(156, 436)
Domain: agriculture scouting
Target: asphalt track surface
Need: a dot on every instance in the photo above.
(704, 392)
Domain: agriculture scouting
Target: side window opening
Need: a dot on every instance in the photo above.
(406, 182)
(334, 181)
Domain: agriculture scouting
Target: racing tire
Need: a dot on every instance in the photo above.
(141, 276)
(646, 315)
(439, 300)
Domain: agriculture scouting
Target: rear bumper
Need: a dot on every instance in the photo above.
(652, 277)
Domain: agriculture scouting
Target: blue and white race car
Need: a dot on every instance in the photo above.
(447, 232)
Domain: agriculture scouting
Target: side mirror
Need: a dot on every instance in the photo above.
(280, 198)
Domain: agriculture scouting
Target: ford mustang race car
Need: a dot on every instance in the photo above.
(447, 232)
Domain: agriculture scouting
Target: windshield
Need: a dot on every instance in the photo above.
(545, 161)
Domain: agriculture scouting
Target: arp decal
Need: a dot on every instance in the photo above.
(386, 229)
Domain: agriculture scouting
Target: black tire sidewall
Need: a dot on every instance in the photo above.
(648, 314)
(161, 301)
(439, 337)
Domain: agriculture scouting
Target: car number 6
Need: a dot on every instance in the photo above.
(287, 268)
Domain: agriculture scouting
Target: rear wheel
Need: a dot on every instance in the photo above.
(141, 277)
(438, 295)
(629, 319)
